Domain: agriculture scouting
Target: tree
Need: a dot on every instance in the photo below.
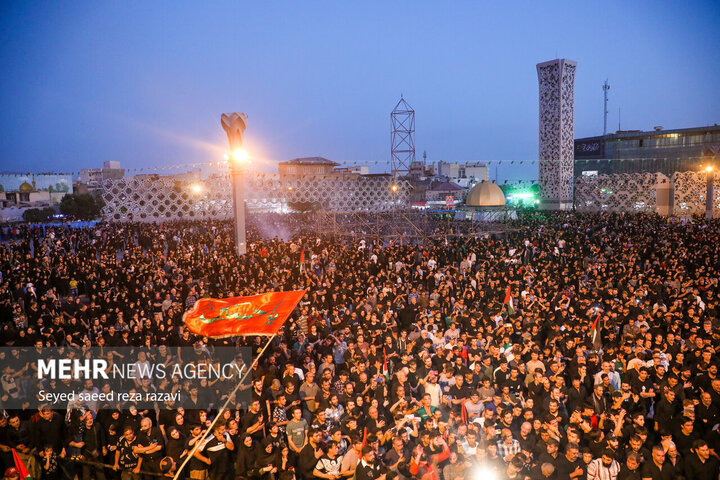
(82, 206)
(37, 215)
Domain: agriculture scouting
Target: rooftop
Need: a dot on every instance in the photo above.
(446, 186)
(310, 161)
(629, 134)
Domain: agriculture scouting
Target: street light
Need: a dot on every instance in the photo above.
(240, 155)
(709, 193)
(196, 188)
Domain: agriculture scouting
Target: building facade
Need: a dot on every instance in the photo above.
(464, 174)
(94, 177)
(307, 166)
(659, 150)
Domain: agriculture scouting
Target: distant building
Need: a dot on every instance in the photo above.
(94, 177)
(354, 169)
(311, 166)
(463, 174)
(420, 170)
(635, 151)
(185, 177)
(441, 191)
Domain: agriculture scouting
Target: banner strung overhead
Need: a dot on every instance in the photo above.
(262, 314)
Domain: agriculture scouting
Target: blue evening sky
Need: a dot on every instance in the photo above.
(145, 82)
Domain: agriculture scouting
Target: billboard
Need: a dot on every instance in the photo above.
(590, 148)
(54, 182)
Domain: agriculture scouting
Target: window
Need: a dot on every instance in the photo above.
(24, 197)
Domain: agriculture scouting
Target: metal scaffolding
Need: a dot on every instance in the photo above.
(402, 150)
(382, 228)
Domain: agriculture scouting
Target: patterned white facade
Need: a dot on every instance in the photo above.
(625, 192)
(690, 189)
(157, 199)
(642, 192)
(556, 80)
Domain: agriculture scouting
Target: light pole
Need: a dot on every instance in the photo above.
(234, 125)
(709, 184)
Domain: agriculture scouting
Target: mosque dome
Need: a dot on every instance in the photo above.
(485, 194)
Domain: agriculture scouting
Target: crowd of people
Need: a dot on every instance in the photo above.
(573, 346)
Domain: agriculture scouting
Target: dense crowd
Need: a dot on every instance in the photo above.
(402, 360)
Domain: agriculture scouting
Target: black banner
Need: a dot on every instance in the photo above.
(590, 148)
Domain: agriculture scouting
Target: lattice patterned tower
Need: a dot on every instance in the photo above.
(557, 96)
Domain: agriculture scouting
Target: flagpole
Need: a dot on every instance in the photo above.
(224, 407)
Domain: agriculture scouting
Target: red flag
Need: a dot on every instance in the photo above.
(20, 466)
(508, 301)
(463, 414)
(595, 327)
(302, 260)
(262, 314)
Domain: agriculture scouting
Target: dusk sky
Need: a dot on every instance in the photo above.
(144, 83)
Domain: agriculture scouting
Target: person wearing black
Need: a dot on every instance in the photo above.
(253, 422)
(685, 436)
(706, 414)
(93, 450)
(265, 465)
(657, 468)
(665, 408)
(48, 427)
(151, 444)
(368, 468)
(245, 459)
(576, 395)
(309, 455)
(630, 469)
(112, 436)
(699, 464)
(216, 454)
(398, 453)
(126, 460)
(569, 466)
(459, 393)
(599, 400)
(175, 445)
(196, 467)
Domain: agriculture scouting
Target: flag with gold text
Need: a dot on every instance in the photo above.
(262, 314)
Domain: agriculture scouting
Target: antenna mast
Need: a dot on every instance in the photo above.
(606, 87)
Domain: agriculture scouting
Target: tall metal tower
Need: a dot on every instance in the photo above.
(402, 150)
(606, 87)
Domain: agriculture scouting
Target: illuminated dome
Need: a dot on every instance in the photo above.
(485, 194)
